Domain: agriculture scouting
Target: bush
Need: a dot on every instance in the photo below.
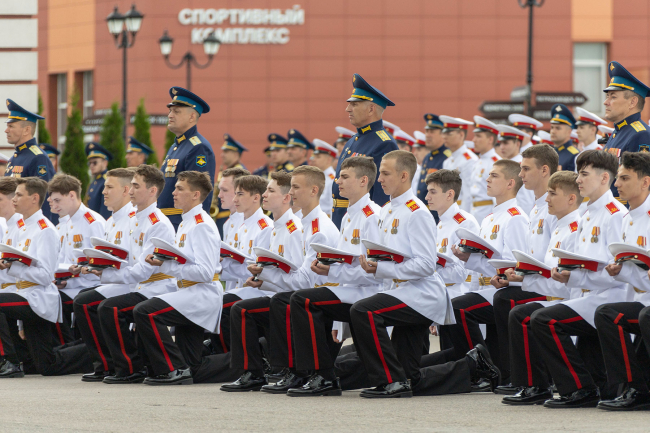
(112, 139)
(73, 159)
(142, 131)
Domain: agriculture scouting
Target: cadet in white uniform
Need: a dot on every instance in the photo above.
(529, 126)
(510, 140)
(587, 124)
(14, 222)
(485, 138)
(323, 157)
(196, 306)
(575, 379)
(462, 158)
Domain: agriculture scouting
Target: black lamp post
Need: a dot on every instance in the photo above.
(531, 4)
(124, 25)
(210, 46)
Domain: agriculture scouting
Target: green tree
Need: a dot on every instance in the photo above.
(111, 137)
(170, 138)
(73, 158)
(142, 131)
(43, 133)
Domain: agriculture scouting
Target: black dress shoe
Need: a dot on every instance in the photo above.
(247, 382)
(481, 385)
(182, 376)
(9, 369)
(631, 399)
(529, 395)
(392, 390)
(137, 377)
(316, 386)
(276, 377)
(485, 368)
(285, 384)
(96, 376)
(508, 389)
(580, 398)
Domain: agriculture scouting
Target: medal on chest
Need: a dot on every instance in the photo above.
(395, 224)
(236, 241)
(250, 246)
(181, 242)
(118, 238)
(28, 242)
(77, 241)
(641, 241)
(281, 250)
(595, 232)
(495, 230)
(356, 237)
(443, 245)
(540, 226)
(141, 240)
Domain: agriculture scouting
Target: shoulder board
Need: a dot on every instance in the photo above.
(88, 216)
(314, 226)
(153, 218)
(42, 224)
(367, 211)
(411, 204)
(195, 140)
(638, 126)
(289, 166)
(495, 159)
(332, 176)
(447, 153)
(467, 155)
(573, 226)
(573, 150)
(291, 226)
(132, 214)
(35, 149)
(262, 223)
(383, 135)
(20, 223)
(513, 211)
(459, 218)
(198, 218)
(611, 207)
(648, 215)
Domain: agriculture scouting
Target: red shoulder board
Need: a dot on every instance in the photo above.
(132, 214)
(332, 176)
(573, 226)
(20, 223)
(648, 215)
(198, 218)
(467, 155)
(262, 223)
(291, 226)
(513, 211)
(411, 204)
(368, 211)
(89, 218)
(42, 224)
(154, 218)
(459, 218)
(314, 226)
(495, 159)
(611, 207)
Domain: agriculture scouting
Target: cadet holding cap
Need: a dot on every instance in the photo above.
(98, 158)
(322, 157)
(137, 153)
(562, 123)
(587, 127)
(432, 162)
(231, 151)
(461, 159)
(365, 109)
(190, 151)
(526, 124)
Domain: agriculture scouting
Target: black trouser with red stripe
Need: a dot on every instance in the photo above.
(572, 367)
(614, 323)
(152, 319)
(313, 312)
(87, 321)
(115, 316)
(528, 368)
(644, 326)
(282, 351)
(504, 301)
(388, 359)
(249, 319)
(470, 310)
(40, 337)
(64, 331)
(221, 341)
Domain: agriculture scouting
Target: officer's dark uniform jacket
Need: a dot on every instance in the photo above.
(431, 163)
(374, 141)
(95, 197)
(567, 154)
(190, 151)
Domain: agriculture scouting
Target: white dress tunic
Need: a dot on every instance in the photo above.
(326, 198)
(478, 185)
(10, 237)
(229, 229)
(464, 161)
(199, 241)
(540, 227)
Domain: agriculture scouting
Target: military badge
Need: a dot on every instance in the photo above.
(443, 245)
(641, 241)
(28, 242)
(495, 230)
(356, 237)
(118, 238)
(595, 232)
(181, 242)
(250, 246)
(201, 161)
(395, 225)
(78, 241)
(281, 250)
(540, 226)
(42, 171)
(141, 240)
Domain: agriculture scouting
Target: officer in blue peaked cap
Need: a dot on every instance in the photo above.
(190, 151)
(231, 151)
(279, 153)
(264, 170)
(562, 123)
(298, 148)
(438, 152)
(28, 159)
(98, 157)
(137, 153)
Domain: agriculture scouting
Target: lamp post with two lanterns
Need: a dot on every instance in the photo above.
(211, 46)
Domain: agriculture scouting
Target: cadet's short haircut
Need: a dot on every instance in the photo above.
(34, 185)
(152, 177)
(235, 172)
(544, 155)
(197, 181)
(638, 162)
(283, 179)
(404, 161)
(566, 181)
(362, 166)
(627, 94)
(510, 170)
(446, 180)
(598, 159)
(251, 184)
(314, 176)
(64, 184)
(123, 174)
(8, 186)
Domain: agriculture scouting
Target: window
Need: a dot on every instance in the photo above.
(61, 106)
(590, 74)
(88, 100)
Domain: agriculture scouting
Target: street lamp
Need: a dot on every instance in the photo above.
(211, 46)
(529, 75)
(124, 25)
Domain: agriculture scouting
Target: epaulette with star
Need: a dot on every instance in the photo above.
(412, 205)
(291, 226)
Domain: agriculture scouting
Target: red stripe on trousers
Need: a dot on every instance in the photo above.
(327, 302)
(394, 307)
(621, 335)
(68, 302)
(563, 353)
(289, 336)
(92, 331)
(59, 333)
(229, 304)
(119, 336)
(243, 337)
(92, 304)
(314, 347)
(469, 338)
(379, 351)
(525, 301)
(633, 321)
(223, 343)
(127, 309)
(155, 330)
(527, 350)
(10, 304)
